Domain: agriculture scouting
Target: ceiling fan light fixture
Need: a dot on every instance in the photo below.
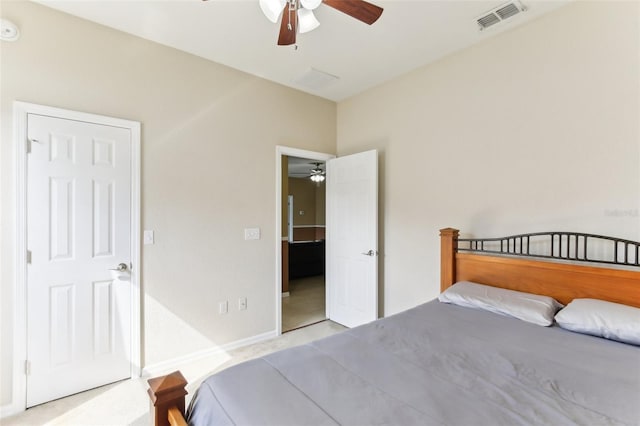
(298, 17)
(317, 174)
(310, 4)
(307, 21)
(272, 9)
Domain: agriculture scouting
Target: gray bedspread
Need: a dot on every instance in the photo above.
(436, 364)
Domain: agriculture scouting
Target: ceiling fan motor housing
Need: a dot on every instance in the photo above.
(297, 15)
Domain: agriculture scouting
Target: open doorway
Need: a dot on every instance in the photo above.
(351, 234)
(304, 293)
(306, 231)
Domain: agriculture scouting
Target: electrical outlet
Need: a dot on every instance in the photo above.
(148, 237)
(252, 233)
(242, 304)
(223, 307)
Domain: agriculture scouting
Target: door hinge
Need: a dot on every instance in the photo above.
(28, 256)
(27, 367)
(30, 144)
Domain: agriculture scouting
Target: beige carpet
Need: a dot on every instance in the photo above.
(127, 403)
(305, 304)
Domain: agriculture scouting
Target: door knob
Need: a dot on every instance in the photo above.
(370, 253)
(121, 267)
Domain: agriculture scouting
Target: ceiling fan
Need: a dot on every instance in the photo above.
(316, 174)
(297, 15)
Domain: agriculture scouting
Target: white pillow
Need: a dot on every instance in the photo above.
(600, 318)
(528, 307)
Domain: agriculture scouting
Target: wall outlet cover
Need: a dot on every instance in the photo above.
(252, 233)
(148, 237)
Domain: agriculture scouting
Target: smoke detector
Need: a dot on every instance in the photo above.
(500, 14)
(8, 30)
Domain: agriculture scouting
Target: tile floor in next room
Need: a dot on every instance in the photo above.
(305, 304)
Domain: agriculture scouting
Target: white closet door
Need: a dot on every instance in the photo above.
(78, 228)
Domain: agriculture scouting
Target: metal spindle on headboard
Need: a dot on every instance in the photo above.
(561, 245)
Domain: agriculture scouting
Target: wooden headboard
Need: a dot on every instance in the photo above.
(562, 281)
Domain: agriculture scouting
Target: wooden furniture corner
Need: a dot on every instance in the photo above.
(448, 248)
(167, 399)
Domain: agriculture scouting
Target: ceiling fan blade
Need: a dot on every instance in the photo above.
(288, 27)
(359, 9)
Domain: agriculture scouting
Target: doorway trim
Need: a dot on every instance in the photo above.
(290, 152)
(20, 113)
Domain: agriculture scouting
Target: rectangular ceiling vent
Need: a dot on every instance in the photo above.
(315, 79)
(499, 14)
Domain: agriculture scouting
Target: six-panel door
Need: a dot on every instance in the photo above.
(78, 229)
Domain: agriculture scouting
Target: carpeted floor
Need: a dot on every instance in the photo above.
(127, 403)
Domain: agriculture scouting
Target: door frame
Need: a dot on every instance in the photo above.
(290, 152)
(20, 113)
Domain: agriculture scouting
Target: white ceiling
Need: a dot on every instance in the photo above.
(301, 167)
(409, 34)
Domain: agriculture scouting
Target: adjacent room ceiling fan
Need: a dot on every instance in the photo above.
(316, 174)
(297, 15)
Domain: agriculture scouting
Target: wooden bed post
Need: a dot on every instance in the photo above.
(448, 247)
(167, 396)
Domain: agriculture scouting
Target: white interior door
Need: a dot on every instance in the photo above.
(352, 239)
(78, 228)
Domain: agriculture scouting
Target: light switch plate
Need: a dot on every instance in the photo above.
(252, 233)
(147, 237)
(242, 304)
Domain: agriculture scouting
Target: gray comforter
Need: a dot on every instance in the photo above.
(436, 364)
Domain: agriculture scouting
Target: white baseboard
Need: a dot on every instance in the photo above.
(10, 410)
(160, 368)
(285, 294)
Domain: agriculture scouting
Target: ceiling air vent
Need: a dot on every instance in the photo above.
(315, 79)
(500, 14)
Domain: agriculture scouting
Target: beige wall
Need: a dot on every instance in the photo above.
(304, 199)
(309, 197)
(202, 123)
(321, 203)
(535, 129)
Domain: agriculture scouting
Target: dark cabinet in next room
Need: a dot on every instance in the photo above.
(306, 259)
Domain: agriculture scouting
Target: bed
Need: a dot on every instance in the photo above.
(445, 364)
